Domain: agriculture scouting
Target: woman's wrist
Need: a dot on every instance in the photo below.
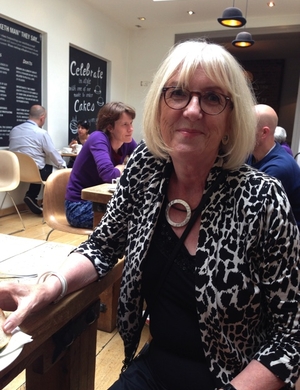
(63, 283)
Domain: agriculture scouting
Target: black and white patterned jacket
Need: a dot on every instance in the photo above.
(248, 268)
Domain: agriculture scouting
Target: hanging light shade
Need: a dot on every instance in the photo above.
(243, 39)
(232, 17)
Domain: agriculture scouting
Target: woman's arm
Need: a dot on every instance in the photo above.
(26, 299)
(101, 151)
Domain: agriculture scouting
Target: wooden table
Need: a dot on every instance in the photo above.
(100, 195)
(62, 353)
(64, 154)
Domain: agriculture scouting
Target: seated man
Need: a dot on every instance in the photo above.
(269, 157)
(29, 138)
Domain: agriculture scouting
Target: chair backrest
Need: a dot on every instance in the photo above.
(29, 171)
(9, 171)
(54, 203)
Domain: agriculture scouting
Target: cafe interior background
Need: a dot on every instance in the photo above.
(132, 48)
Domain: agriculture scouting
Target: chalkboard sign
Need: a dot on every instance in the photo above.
(87, 88)
(20, 75)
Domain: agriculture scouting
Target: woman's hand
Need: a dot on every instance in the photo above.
(73, 142)
(120, 167)
(24, 299)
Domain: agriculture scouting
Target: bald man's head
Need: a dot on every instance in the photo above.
(266, 116)
(38, 114)
(267, 121)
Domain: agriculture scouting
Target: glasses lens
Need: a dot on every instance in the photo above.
(213, 103)
(177, 98)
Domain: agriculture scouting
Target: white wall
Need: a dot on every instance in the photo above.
(69, 22)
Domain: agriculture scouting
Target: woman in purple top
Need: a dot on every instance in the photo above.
(101, 159)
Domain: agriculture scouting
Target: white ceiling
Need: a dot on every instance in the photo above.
(270, 42)
(160, 13)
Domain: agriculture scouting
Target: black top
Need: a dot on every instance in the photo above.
(175, 355)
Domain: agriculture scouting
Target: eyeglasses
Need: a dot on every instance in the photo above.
(211, 103)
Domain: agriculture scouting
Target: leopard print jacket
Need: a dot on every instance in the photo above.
(247, 282)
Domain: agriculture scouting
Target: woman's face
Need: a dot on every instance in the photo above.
(123, 129)
(82, 131)
(190, 132)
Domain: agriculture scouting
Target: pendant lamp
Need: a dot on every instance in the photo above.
(232, 17)
(243, 39)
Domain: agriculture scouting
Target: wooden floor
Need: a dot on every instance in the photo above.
(109, 353)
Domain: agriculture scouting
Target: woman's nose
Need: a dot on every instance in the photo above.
(193, 109)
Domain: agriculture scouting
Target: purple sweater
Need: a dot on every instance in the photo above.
(95, 164)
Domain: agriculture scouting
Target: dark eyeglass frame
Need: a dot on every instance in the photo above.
(194, 93)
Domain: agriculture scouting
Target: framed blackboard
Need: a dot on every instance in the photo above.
(87, 88)
(20, 75)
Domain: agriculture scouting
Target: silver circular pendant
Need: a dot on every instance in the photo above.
(188, 213)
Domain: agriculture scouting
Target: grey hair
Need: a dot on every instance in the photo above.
(222, 68)
(280, 134)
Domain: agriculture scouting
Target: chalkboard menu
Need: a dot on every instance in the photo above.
(20, 75)
(87, 88)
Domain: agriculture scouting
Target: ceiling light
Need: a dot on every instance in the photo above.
(142, 18)
(271, 4)
(191, 12)
(232, 17)
(243, 39)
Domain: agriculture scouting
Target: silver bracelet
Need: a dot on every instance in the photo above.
(62, 279)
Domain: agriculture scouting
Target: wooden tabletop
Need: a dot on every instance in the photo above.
(63, 154)
(38, 357)
(98, 194)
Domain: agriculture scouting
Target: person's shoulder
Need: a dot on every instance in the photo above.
(284, 159)
(251, 175)
(97, 135)
(287, 149)
(18, 127)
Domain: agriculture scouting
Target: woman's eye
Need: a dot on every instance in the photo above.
(211, 97)
(178, 93)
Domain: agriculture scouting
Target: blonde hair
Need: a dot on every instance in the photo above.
(221, 67)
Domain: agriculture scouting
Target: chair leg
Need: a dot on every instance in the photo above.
(3, 200)
(49, 234)
(11, 198)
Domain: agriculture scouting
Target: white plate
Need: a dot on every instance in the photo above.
(13, 348)
(6, 360)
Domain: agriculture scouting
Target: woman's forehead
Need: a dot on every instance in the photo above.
(198, 76)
